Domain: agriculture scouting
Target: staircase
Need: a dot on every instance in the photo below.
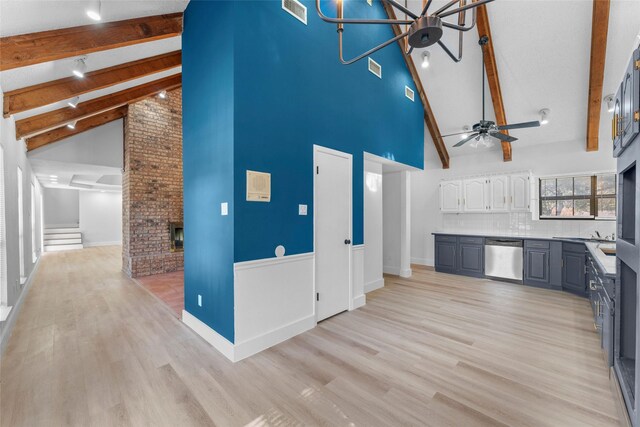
(62, 239)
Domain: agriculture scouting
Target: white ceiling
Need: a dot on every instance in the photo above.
(542, 51)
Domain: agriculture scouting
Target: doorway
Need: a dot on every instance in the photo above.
(332, 204)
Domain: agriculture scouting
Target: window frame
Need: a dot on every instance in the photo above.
(593, 197)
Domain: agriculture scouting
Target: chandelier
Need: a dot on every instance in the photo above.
(420, 30)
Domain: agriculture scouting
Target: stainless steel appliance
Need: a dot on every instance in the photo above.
(503, 259)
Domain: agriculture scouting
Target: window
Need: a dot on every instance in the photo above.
(20, 224)
(3, 239)
(578, 197)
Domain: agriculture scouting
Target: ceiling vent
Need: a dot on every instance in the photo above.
(375, 68)
(408, 92)
(297, 9)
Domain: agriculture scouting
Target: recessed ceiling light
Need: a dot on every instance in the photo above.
(544, 116)
(425, 59)
(609, 99)
(94, 9)
(72, 125)
(79, 67)
(163, 94)
(73, 103)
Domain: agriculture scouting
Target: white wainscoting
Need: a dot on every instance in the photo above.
(357, 277)
(274, 301)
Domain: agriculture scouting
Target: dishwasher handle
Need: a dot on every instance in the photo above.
(503, 242)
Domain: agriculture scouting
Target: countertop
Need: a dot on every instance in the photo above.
(606, 263)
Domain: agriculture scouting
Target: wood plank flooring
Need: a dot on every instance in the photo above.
(91, 347)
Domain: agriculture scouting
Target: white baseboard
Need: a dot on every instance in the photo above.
(406, 272)
(372, 286)
(242, 350)
(358, 302)
(218, 342)
(10, 322)
(96, 244)
(423, 261)
(255, 345)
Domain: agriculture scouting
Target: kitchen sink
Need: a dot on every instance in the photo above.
(608, 251)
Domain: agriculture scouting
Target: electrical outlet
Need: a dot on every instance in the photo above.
(302, 209)
(199, 300)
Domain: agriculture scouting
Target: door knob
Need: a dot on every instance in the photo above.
(347, 241)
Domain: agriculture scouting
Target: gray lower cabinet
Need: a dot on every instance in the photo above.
(460, 255)
(573, 268)
(542, 263)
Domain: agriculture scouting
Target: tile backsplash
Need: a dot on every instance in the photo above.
(521, 224)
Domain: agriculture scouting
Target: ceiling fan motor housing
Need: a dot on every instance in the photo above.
(425, 31)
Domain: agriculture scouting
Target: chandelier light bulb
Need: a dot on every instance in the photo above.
(425, 59)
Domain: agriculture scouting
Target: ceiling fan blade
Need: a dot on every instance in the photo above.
(520, 125)
(453, 134)
(464, 141)
(503, 137)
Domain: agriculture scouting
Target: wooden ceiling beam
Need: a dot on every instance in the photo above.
(45, 122)
(34, 48)
(491, 67)
(28, 98)
(599, 31)
(84, 125)
(429, 117)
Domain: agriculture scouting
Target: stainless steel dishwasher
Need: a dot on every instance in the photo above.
(503, 259)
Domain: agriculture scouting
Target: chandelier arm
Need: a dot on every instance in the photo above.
(424, 9)
(402, 8)
(462, 27)
(358, 21)
(445, 7)
(370, 51)
(463, 8)
(451, 55)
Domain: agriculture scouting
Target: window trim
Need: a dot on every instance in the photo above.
(593, 197)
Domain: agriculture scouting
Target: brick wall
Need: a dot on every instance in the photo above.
(152, 185)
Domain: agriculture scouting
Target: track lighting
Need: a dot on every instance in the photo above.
(94, 9)
(465, 135)
(610, 103)
(72, 125)
(544, 116)
(73, 103)
(425, 59)
(80, 67)
(163, 94)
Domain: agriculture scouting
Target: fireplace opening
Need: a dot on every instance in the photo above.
(177, 236)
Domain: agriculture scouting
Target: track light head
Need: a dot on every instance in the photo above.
(79, 67)
(609, 99)
(73, 103)
(94, 10)
(163, 94)
(544, 116)
(72, 125)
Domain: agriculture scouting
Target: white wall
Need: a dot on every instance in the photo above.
(373, 241)
(542, 160)
(100, 218)
(14, 157)
(396, 217)
(61, 207)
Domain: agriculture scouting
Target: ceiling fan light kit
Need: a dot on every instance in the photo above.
(544, 116)
(423, 30)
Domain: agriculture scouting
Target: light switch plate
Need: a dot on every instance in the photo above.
(302, 209)
(199, 300)
(224, 208)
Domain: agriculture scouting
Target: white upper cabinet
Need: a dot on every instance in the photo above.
(450, 195)
(520, 196)
(499, 193)
(475, 195)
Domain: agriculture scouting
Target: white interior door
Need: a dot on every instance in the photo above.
(332, 231)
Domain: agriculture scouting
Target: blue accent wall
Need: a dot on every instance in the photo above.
(208, 114)
(260, 88)
(292, 92)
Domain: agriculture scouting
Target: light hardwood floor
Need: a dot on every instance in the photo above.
(92, 348)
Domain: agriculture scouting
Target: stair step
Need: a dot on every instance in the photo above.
(58, 248)
(62, 242)
(62, 236)
(61, 230)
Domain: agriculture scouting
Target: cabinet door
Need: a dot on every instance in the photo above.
(616, 131)
(629, 124)
(607, 330)
(450, 196)
(471, 261)
(499, 193)
(520, 197)
(573, 275)
(474, 195)
(536, 267)
(446, 257)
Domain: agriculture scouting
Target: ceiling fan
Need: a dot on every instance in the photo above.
(484, 130)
